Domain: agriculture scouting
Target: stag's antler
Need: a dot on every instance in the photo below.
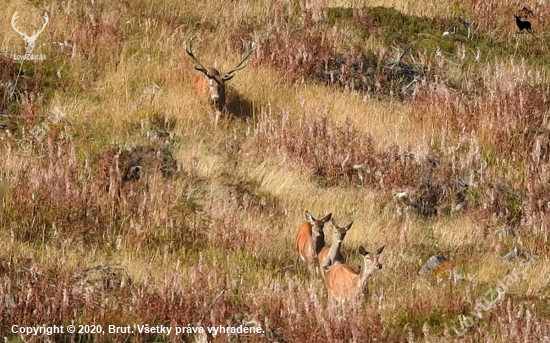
(35, 34)
(245, 58)
(524, 9)
(190, 53)
(45, 21)
(13, 19)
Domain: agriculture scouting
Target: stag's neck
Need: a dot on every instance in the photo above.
(220, 103)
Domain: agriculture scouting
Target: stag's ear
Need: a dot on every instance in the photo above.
(203, 73)
(227, 77)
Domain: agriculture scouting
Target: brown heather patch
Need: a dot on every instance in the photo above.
(339, 155)
(56, 188)
(511, 125)
(514, 119)
(248, 197)
(306, 53)
(227, 232)
(9, 69)
(296, 52)
(97, 35)
(52, 297)
(520, 119)
(26, 100)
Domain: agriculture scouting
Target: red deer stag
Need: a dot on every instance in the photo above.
(209, 80)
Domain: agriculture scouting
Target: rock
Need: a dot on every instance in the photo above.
(511, 256)
(102, 278)
(432, 263)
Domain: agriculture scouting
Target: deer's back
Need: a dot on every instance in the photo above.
(341, 280)
(323, 254)
(303, 240)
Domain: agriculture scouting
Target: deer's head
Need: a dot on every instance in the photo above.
(215, 80)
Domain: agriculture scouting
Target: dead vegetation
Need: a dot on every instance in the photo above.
(194, 223)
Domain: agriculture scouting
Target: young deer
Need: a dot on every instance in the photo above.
(310, 239)
(208, 80)
(343, 283)
(329, 257)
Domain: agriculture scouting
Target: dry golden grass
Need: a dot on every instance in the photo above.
(210, 241)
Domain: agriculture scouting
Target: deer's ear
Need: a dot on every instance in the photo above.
(203, 73)
(379, 251)
(227, 77)
(362, 251)
(327, 218)
(349, 226)
(309, 217)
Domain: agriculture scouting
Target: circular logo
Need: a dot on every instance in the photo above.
(25, 144)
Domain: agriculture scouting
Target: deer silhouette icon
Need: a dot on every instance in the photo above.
(29, 40)
(522, 24)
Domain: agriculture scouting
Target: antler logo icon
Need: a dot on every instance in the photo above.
(524, 24)
(29, 40)
(526, 10)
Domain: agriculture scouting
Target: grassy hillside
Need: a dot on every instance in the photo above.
(138, 207)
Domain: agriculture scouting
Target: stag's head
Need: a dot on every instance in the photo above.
(29, 40)
(215, 80)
